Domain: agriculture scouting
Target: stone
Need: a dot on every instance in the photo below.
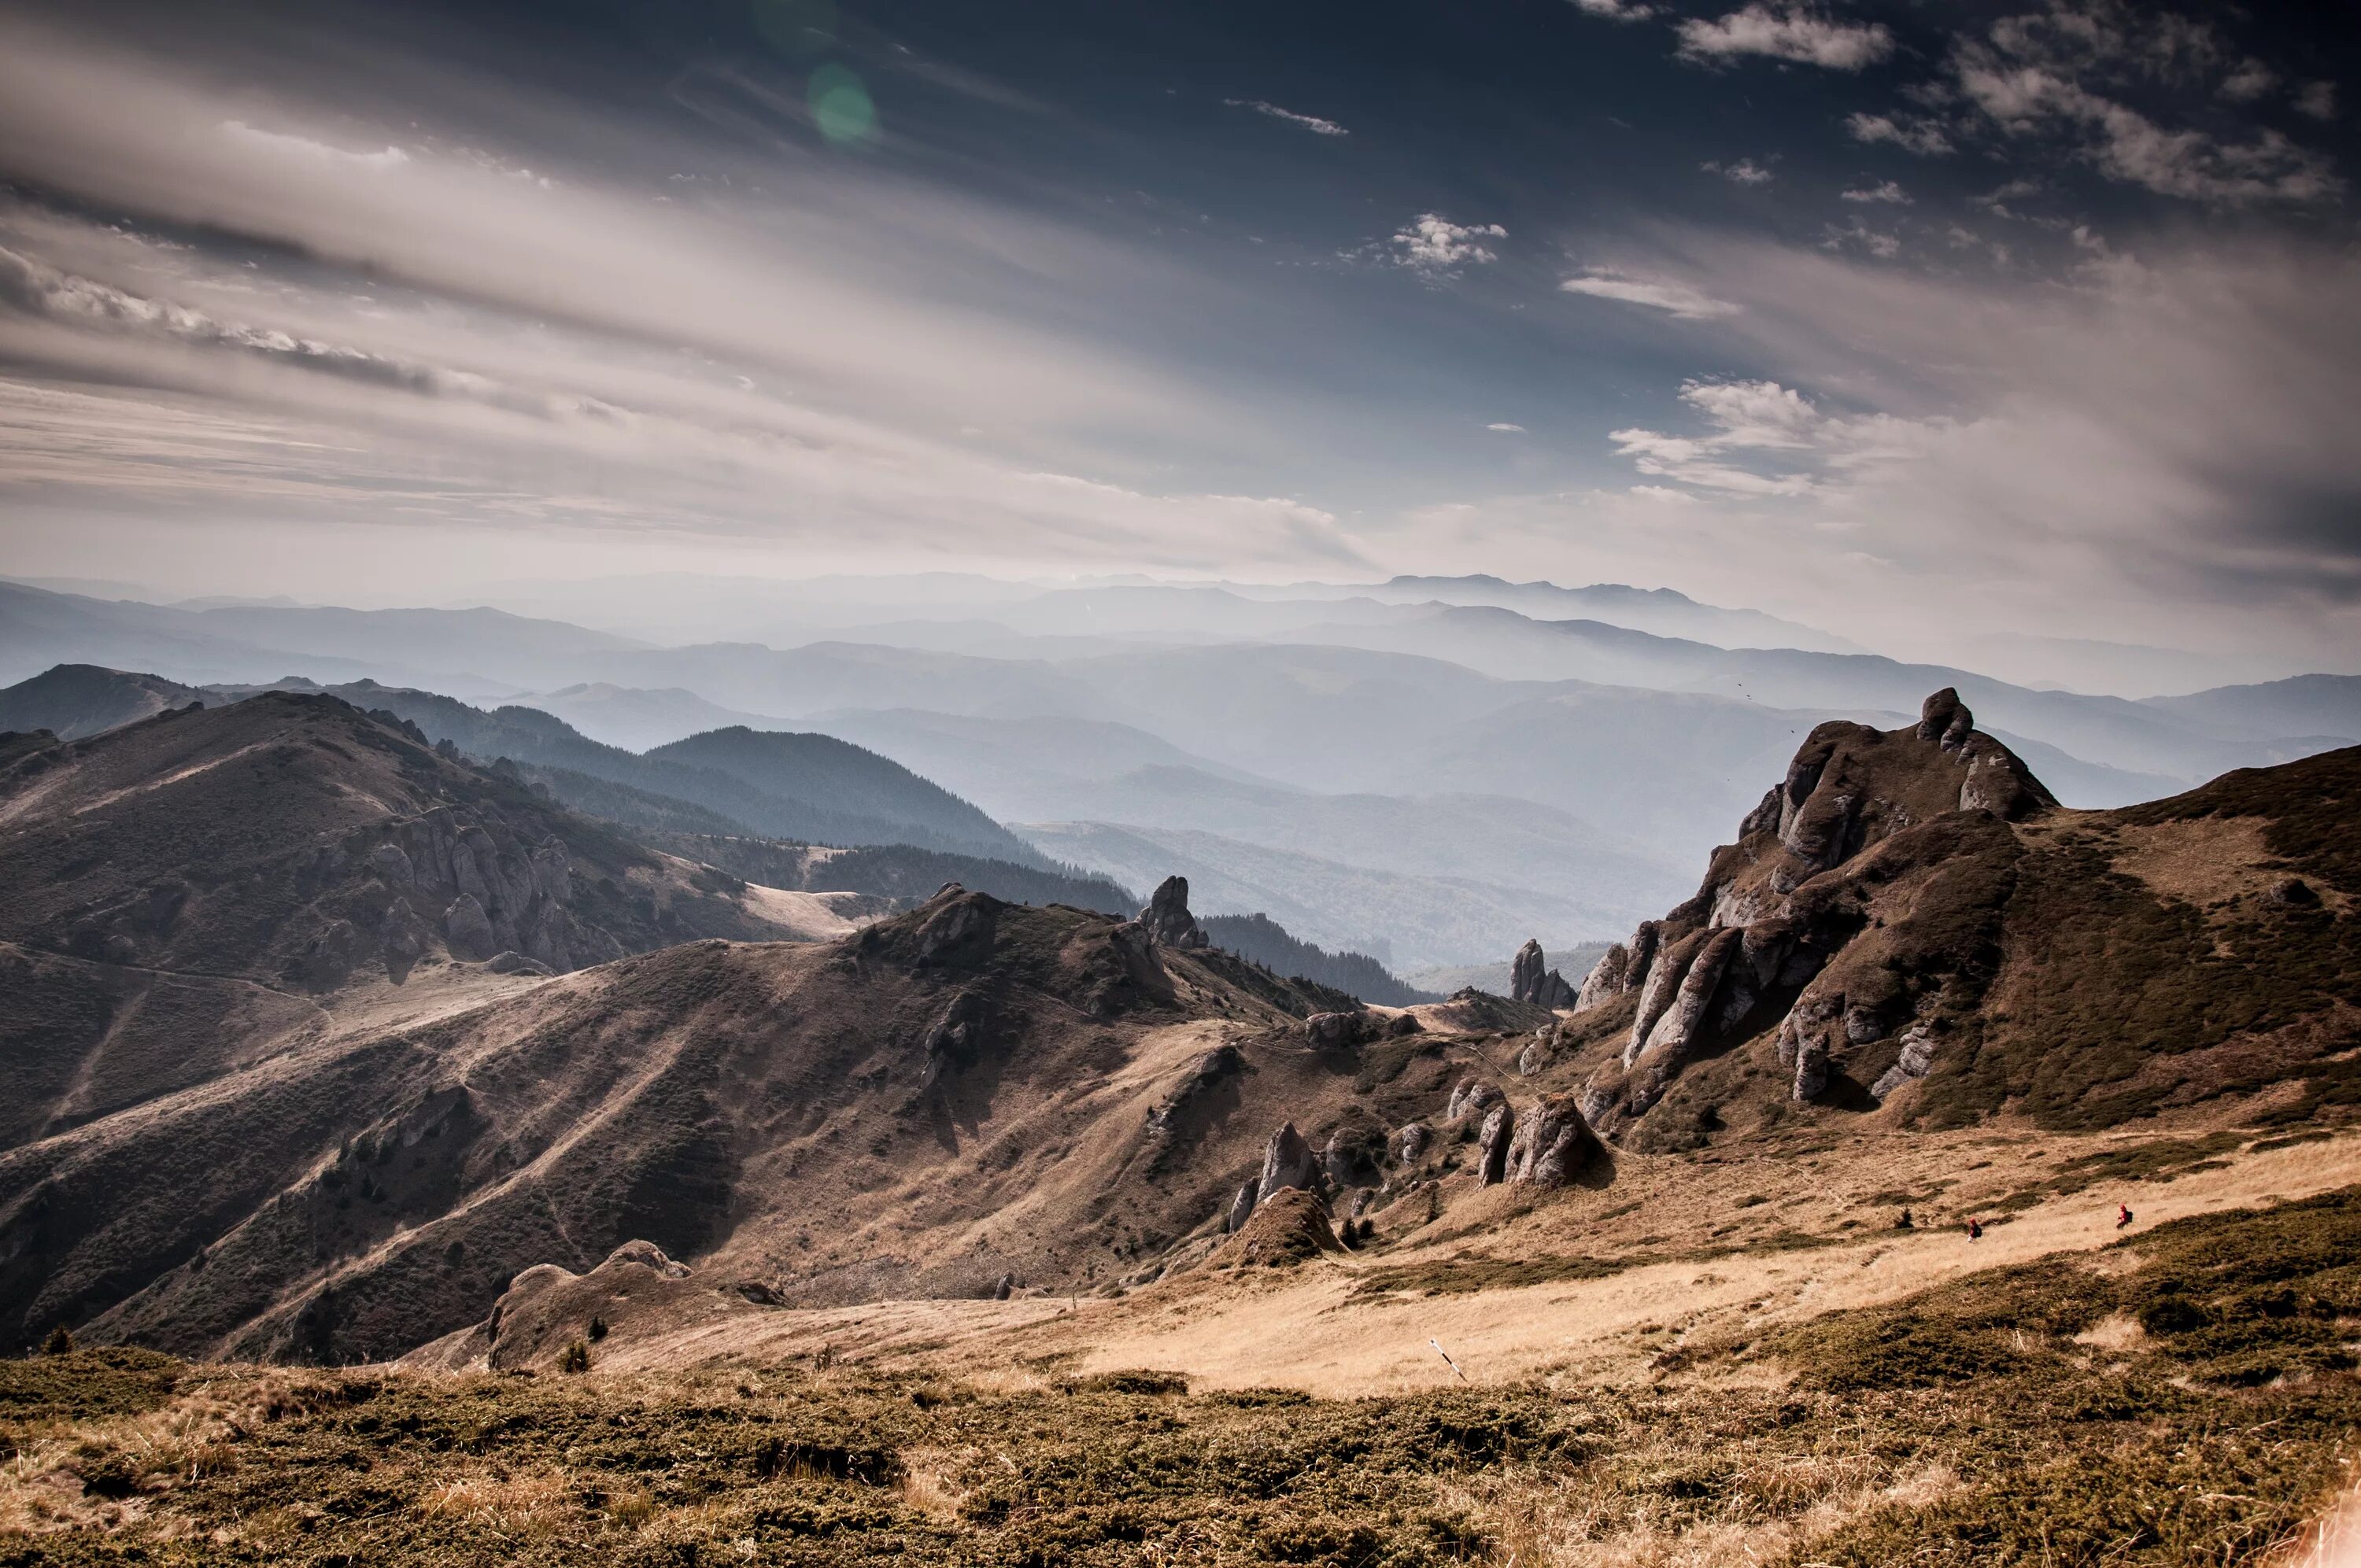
(1492, 1145)
(391, 862)
(468, 929)
(1917, 1057)
(1410, 1140)
(516, 963)
(647, 1254)
(1242, 1206)
(1531, 980)
(1678, 1029)
(1333, 1029)
(1605, 980)
(2294, 893)
(1811, 1060)
(952, 1043)
(1287, 1161)
(1402, 1024)
(1944, 719)
(1003, 1288)
(1472, 1095)
(1552, 1143)
(1167, 917)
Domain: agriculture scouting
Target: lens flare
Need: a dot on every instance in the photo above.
(840, 106)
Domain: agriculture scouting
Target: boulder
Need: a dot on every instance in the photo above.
(1287, 1161)
(1917, 1057)
(1811, 1060)
(1242, 1206)
(1552, 1143)
(1605, 980)
(1944, 719)
(1329, 1030)
(516, 963)
(1003, 1288)
(2294, 893)
(468, 930)
(1167, 917)
(1492, 1145)
(1472, 1095)
(1410, 1140)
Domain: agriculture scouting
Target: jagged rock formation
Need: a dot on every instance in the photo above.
(1288, 1161)
(1552, 1143)
(1472, 1095)
(1530, 978)
(1774, 927)
(1167, 917)
(1492, 1144)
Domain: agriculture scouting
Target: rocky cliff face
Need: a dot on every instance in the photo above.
(1900, 832)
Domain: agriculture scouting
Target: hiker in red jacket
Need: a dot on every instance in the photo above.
(1975, 1230)
(2123, 1215)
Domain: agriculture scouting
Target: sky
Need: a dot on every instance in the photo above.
(1921, 323)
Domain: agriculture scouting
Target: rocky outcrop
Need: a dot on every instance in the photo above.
(1492, 1145)
(1287, 1161)
(1471, 1096)
(1167, 918)
(952, 1043)
(1552, 1144)
(1531, 980)
(1861, 899)
(1411, 1141)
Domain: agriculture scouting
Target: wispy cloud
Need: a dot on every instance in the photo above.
(1311, 123)
(1885, 191)
(1507, 429)
(1745, 171)
(1675, 299)
(1617, 10)
(1921, 135)
(1790, 32)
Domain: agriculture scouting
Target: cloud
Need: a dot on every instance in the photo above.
(2317, 99)
(2147, 451)
(1507, 429)
(1678, 300)
(288, 145)
(2249, 80)
(1311, 123)
(1921, 136)
(1884, 246)
(1786, 31)
(2070, 72)
(1746, 417)
(1885, 191)
(1434, 246)
(1745, 171)
(1616, 10)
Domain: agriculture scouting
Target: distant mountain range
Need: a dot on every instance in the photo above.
(1149, 709)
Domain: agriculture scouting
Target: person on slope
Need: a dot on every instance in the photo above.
(1975, 1230)
(2123, 1215)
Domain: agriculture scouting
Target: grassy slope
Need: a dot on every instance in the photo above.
(2183, 1398)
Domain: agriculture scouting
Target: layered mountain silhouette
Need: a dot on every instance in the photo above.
(975, 1095)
